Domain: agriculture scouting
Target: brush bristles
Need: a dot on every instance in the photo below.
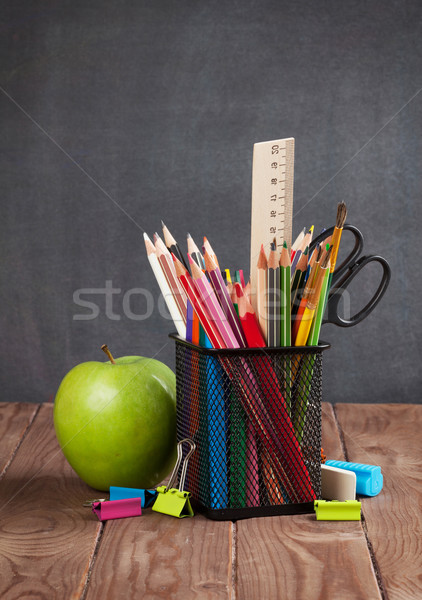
(319, 252)
(341, 215)
(326, 259)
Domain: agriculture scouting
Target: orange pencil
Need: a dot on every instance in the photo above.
(307, 292)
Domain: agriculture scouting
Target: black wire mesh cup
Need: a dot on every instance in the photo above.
(255, 417)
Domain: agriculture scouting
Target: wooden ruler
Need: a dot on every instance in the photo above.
(272, 198)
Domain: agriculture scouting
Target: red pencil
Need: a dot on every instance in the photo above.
(248, 319)
(204, 318)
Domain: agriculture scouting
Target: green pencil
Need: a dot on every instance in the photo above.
(285, 276)
(313, 338)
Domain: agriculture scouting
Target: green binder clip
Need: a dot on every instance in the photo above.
(333, 510)
(172, 501)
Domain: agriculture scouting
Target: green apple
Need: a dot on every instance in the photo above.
(116, 421)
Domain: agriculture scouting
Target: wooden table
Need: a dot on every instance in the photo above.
(52, 547)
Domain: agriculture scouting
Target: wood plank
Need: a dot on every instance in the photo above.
(156, 556)
(390, 436)
(15, 418)
(47, 538)
(299, 557)
(330, 437)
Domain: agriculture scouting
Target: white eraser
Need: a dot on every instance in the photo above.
(337, 484)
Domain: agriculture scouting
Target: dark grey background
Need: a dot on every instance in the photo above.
(118, 114)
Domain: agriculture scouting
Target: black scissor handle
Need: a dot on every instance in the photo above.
(351, 258)
(342, 284)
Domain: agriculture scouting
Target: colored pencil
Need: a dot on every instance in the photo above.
(223, 296)
(312, 260)
(247, 290)
(160, 244)
(285, 306)
(297, 243)
(194, 252)
(273, 298)
(307, 293)
(204, 318)
(169, 271)
(275, 495)
(174, 311)
(248, 319)
(313, 337)
(301, 249)
(252, 466)
(210, 301)
(277, 434)
(274, 427)
(217, 399)
(207, 248)
(297, 284)
(312, 302)
(172, 245)
(261, 292)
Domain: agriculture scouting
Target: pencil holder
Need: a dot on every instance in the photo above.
(255, 417)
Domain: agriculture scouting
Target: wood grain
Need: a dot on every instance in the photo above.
(390, 436)
(157, 556)
(297, 557)
(47, 538)
(330, 435)
(15, 418)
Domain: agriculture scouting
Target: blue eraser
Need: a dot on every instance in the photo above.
(369, 478)
(121, 493)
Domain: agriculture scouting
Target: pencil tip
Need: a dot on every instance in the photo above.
(189, 235)
(311, 229)
(162, 224)
(284, 244)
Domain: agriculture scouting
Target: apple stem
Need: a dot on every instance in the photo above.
(105, 349)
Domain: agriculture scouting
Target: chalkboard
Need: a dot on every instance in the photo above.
(116, 115)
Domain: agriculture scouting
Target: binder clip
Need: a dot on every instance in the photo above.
(172, 501)
(369, 478)
(117, 509)
(121, 493)
(333, 510)
(89, 503)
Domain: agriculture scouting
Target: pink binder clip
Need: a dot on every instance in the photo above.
(117, 509)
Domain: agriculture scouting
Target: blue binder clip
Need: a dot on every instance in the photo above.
(369, 478)
(121, 493)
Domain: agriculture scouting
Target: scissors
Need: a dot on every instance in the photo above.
(345, 273)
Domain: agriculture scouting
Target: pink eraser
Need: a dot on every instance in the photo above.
(117, 509)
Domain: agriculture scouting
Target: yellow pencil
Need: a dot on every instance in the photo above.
(312, 303)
